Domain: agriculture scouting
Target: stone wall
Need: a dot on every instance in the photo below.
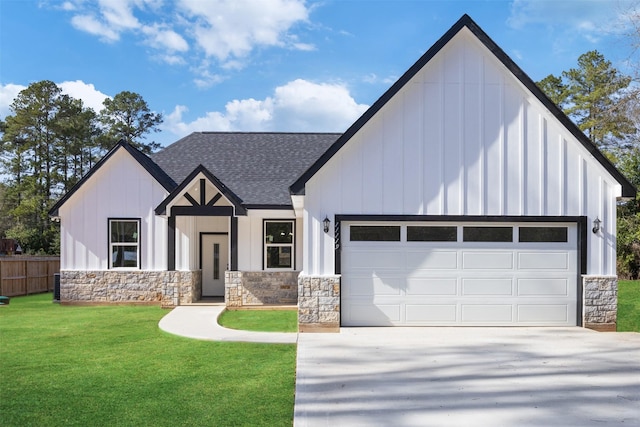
(167, 288)
(600, 309)
(318, 303)
(250, 288)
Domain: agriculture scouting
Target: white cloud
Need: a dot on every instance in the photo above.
(90, 96)
(91, 25)
(221, 33)
(373, 78)
(160, 37)
(586, 18)
(298, 106)
(8, 93)
(233, 28)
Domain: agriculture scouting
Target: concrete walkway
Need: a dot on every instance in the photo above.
(201, 322)
(420, 377)
(417, 377)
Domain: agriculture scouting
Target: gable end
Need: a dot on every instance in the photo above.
(628, 190)
(153, 169)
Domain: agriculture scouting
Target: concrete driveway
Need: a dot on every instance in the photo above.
(468, 377)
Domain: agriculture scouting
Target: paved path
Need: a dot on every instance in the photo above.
(467, 377)
(201, 322)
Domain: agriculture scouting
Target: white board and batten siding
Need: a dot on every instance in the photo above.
(462, 137)
(121, 188)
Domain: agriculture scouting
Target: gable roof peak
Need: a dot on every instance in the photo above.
(628, 190)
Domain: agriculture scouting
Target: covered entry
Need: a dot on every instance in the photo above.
(448, 273)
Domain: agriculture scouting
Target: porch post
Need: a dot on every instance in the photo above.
(234, 243)
(171, 244)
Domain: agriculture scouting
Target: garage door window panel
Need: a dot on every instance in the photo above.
(543, 234)
(432, 233)
(487, 234)
(374, 233)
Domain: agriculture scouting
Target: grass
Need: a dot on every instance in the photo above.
(112, 366)
(629, 306)
(260, 320)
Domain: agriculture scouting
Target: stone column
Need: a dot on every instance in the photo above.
(600, 309)
(233, 288)
(318, 303)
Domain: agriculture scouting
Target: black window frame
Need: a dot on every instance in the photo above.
(266, 245)
(111, 244)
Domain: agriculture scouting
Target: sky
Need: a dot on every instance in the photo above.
(278, 65)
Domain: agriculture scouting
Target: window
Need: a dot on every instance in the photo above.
(431, 234)
(543, 234)
(278, 241)
(374, 233)
(487, 234)
(124, 243)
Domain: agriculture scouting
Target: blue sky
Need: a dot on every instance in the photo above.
(279, 65)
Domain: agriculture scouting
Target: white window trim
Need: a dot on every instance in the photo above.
(291, 245)
(112, 244)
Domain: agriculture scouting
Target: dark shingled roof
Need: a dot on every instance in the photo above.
(257, 167)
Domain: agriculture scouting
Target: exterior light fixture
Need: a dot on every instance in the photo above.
(596, 225)
(326, 222)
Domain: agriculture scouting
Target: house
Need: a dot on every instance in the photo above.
(463, 196)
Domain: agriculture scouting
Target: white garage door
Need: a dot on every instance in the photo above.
(451, 274)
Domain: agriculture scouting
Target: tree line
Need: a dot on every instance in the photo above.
(48, 142)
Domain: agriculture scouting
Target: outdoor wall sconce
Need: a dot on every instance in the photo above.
(596, 225)
(326, 222)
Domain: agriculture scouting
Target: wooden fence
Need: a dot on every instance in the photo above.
(24, 275)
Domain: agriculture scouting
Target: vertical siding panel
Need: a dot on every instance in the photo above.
(473, 150)
(572, 184)
(523, 155)
(513, 147)
(412, 150)
(393, 157)
(95, 230)
(433, 175)
(533, 160)
(554, 171)
(451, 135)
(584, 207)
(610, 226)
(453, 108)
(593, 210)
(372, 177)
(562, 193)
(350, 184)
(543, 167)
(492, 138)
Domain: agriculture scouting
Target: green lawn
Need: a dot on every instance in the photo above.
(112, 366)
(629, 306)
(260, 320)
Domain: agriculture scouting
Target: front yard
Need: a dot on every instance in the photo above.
(112, 366)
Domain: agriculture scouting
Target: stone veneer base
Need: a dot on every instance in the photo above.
(257, 288)
(600, 302)
(98, 287)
